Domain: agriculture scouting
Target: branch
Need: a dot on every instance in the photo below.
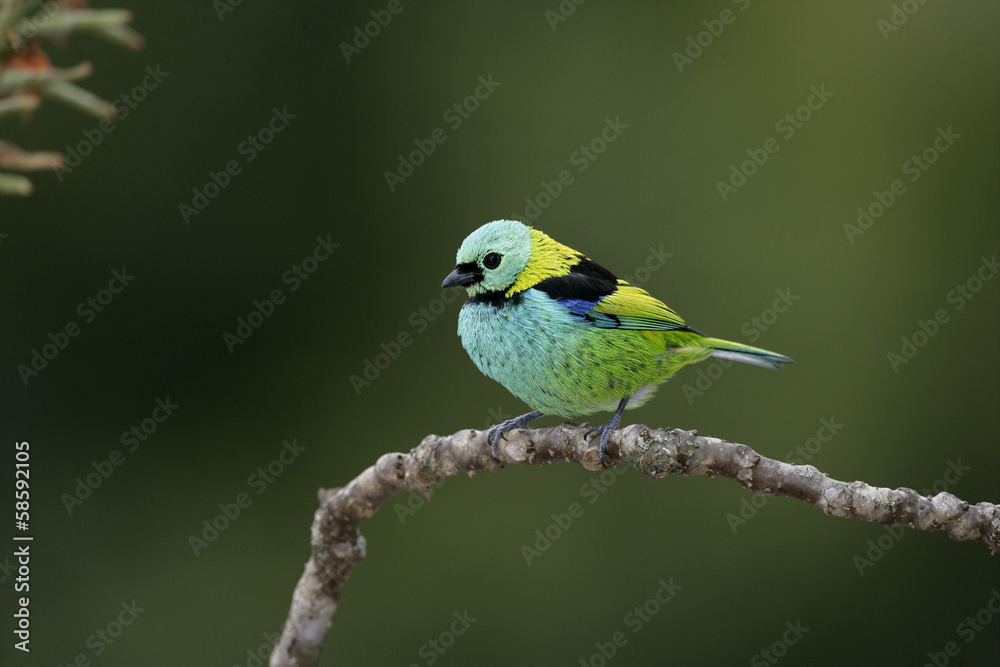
(337, 546)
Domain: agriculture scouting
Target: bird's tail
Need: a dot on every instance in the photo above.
(746, 354)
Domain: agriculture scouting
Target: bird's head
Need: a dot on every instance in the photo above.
(491, 258)
(508, 257)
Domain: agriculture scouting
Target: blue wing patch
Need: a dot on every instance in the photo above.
(583, 311)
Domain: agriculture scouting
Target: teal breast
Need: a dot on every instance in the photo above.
(542, 354)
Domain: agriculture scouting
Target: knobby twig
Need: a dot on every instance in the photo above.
(337, 546)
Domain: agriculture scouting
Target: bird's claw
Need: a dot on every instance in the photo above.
(602, 443)
(607, 430)
(495, 433)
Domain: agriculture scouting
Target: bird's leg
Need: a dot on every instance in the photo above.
(495, 433)
(609, 428)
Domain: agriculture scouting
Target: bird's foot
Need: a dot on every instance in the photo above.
(500, 430)
(607, 430)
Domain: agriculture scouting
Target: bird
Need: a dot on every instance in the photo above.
(565, 335)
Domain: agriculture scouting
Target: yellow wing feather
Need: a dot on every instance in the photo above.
(637, 309)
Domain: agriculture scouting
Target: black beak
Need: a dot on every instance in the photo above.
(462, 276)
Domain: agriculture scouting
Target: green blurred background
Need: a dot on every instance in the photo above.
(652, 191)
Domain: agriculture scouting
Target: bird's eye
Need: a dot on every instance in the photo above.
(492, 260)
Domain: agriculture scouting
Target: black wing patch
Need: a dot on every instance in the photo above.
(586, 281)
